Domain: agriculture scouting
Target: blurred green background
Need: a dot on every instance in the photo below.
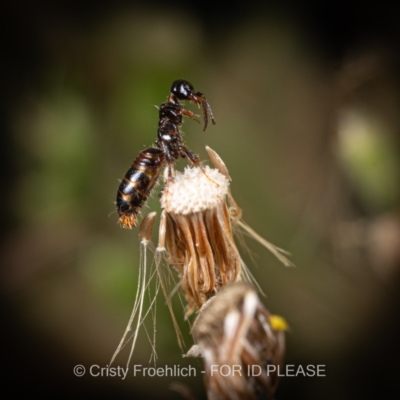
(306, 101)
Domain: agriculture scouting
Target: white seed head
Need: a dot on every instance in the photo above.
(194, 191)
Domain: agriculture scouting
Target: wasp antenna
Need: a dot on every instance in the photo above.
(207, 112)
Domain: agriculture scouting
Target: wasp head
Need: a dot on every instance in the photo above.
(183, 90)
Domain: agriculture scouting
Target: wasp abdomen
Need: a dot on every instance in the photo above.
(137, 184)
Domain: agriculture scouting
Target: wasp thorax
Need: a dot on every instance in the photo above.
(198, 233)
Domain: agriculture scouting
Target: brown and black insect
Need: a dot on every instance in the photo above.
(140, 179)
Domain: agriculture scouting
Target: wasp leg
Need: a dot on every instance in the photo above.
(170, 159)
(169, 179)
(170, 164)
(170, 174)
(191, 115)
(195, 160)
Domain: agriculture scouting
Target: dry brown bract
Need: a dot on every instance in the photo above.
(238, 339)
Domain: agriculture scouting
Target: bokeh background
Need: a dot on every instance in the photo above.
(306, 100)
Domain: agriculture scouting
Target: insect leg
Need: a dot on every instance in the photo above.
(169, 158)
(195, 160)
(191, 115)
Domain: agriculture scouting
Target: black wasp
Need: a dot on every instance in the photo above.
(140, 179)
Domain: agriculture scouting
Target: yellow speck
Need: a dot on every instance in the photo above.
(278, 323)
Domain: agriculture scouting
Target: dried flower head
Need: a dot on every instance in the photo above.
(198, 233)
(235, 332)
